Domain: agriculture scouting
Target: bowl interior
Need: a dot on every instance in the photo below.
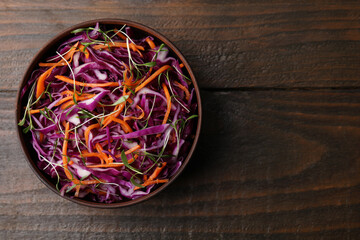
(139, 32)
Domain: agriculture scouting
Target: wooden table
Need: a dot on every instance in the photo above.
(279, 154)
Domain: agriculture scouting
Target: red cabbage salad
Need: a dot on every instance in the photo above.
(110, 116)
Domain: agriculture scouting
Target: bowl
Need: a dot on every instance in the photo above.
(44, 52)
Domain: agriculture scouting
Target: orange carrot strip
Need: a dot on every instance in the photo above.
(71, 162)
(168, 101)
(157, 171)
(87, 132)
(71, 102)
(106, 165)
(52, 64)
(68, 92)
(40, 86)
(151, 43)
(152, 77)
(41, 136)
(67, 104)
(65, 99)
(139, 117)
(65, 163)
(72, 51)
(92, 154)
(118, 109)
(147, 183)
(64, 152)
(85, 96)
(33, 111)
(77, 191)
(71, 81)
(133, 149)
(133, 47)
(182, 87)
(123, 124)
(84, 50)
(181, 65)
(150, 180)
(122, 36)
(128, 81)
(89, 182)
(113, 164)
(100, 151)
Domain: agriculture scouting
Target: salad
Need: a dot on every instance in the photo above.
(110, 115)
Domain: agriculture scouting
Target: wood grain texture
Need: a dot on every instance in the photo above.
(230, 44)
(269, 165)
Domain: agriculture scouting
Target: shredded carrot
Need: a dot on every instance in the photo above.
(182, 87)
(71, 101)
(181, 65)
(92, 85)
(41, 136)
(133, 149)
(89, 182)
(100, 151)
(87, 132)
(52, 64)
(67, 105)
(151, 43)
(147, 183)
(73, 49)
(157, 171)
(168, 101)
(112, 164)
(107, 165)
(92, 154)
(84, 96)
(65, 163)
(122, 36)
(65, 99)
(128, 81)
(126, 118)
(71, 162)
(152, 77)
(151, 180)
(70, 93)
(64, 153)
(67, 92)
(133, 47)
(40, 86)
(123, 124)
(33, 111)
(118, 109)
(77, 188)
(84, 50)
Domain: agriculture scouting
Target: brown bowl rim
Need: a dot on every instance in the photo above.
(51, 43)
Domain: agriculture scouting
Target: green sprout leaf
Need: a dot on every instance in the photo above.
(133, 181)
(126, 163)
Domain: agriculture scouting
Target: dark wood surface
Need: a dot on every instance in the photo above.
(279, 153)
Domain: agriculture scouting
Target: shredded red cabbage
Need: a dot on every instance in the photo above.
(126, 107)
